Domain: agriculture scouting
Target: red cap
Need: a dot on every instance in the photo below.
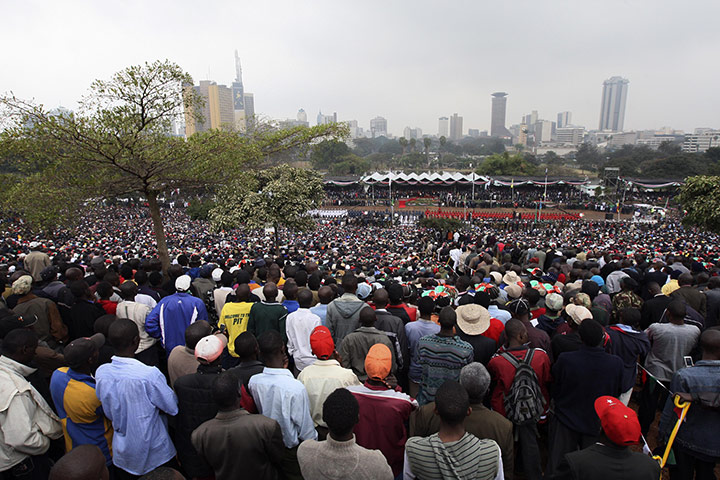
(322, 343)
(619, 422)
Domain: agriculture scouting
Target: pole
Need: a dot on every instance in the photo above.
(392, 204)
(544, 194)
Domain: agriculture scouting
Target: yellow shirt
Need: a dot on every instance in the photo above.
(235, 316)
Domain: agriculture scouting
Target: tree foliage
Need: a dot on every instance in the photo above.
(275, 197)
(506, 164)
(700, 198)
(441, 224)
(327, 153)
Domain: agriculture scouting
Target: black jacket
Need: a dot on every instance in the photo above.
(82, 318)
(604, 462)
(629, 346)
(195, 406)
(653, 309)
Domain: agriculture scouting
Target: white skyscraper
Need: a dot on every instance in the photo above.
(443, 125)
(456, 127)
(564, 119)
(378, 127)
(612, 108)
(302, 116)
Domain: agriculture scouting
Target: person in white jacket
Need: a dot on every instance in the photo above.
(27, 423)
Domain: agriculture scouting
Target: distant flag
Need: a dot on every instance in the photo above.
(512, 183)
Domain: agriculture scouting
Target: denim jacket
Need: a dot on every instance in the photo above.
(699, 432)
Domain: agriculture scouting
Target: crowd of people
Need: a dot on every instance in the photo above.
(357, 351)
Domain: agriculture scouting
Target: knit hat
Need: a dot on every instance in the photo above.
(209, 348)
(619, 422)
(321, 343)
(473, 319)
(378, 362)
(22, 285)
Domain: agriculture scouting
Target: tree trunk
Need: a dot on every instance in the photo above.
(277, 241)
(159, 230)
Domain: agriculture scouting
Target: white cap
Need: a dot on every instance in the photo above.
(182, 284)
(217, 274)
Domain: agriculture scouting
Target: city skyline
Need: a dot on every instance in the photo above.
(324, 58)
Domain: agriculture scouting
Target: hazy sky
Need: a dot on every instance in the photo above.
(409, 61)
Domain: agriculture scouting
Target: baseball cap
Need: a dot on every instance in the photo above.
(321, 342)
(578, 313)
(620, 423)
(79, 350)
(554, 302)
(363, 291)
(34, 244)
(182, 283)
(217, 274)
(10, 321)
(378, 362)
(209, 348)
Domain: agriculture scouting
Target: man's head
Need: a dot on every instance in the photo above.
(209, 349)
(426, 306)
(246, 346)
(20, 345)
(448, 319)
(272, 349)
(270, 292)
(321, 343)
(290, 290)
(654, 288)
(519, 308)
(163, 473)
(242, 292)
(630, 317)
(128, 291)
(452, 403)
(380, 298)
(516, 332)
(305, 298)
(619, 423)
(685, 280)
(195, 331)
(710, 344)
(367, 317)
(84, 462)
(475, 378)
(124, 336)
(182, 283)
(349, 283)
(82, 353)
(378, 362)
(22, 285)
(225, 391)
(676, 311)
(325, 295)
(341, 412)
(591, 333)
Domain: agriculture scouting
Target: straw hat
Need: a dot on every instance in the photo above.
(511, 278)
(473, 319)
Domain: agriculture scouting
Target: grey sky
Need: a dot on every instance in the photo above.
(409, 61)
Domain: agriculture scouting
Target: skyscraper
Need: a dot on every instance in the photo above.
(302, 116)
(238, 92)
(497, 118)
(217, 110)
(612, 108)
(564, 119)
(378, 127)
(443, 123)
(249, 101)
(456, 127)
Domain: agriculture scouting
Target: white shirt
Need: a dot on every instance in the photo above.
(298, 327)
(321, 379)
(219, 295)
(146, 300)
(137, 312)
(279, 396)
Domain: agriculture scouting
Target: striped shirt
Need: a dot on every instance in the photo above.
(441, 359)
(469, 458)
(80, 411)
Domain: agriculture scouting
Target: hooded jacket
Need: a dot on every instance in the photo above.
(343, 316)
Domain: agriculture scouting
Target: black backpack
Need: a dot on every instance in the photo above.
(524, 402)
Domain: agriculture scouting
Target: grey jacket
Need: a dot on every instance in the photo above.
(355, 346)
(343, 316)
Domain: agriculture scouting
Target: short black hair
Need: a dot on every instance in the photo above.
(591, 332)
(448, 318)
(162, 473)
(195, 332)
(16, 339)
(305, 298)
(513, 327)
(270, 343)
(677, 309)
(630, 317)
(341, 411)
(426, 305)
(349, 283)
(225, 390)
(452, 402)
(122, 333)
(245, 344)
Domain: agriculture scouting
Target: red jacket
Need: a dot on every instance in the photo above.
(495, 329)
(503, 373)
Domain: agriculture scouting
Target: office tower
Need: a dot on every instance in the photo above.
(323, 119)
(217, 110)
(302, 116)
(497, 118)
(249, 101)
(443, 124)
(612, 108)
(530, 120)
(544, 130)
(564, 119)
(378, 127)
(570, 135)
(456, 127)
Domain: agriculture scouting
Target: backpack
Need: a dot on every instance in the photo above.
(524, 402)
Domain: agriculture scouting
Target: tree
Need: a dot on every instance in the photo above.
(441, 225)
(426, 143)
(350, 165)
(278, 196)
(443, 142)
(552, 158)
(700, 198)
(118, 143)
(403, 143)
(505, 164)
(588, 156)
(413, 144)
(670, 148)
(324, 154)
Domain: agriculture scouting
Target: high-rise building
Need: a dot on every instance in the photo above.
(564, 119)
(612, 108)
(701, 140)
(249, 101)
(323, 119)
(497, 118)
(456, 127)
(443, 124)
(530, 120)
(415, 133)
(378, 127)
(570, 135)
(302, 116)
(544, 130)
(217, 110)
